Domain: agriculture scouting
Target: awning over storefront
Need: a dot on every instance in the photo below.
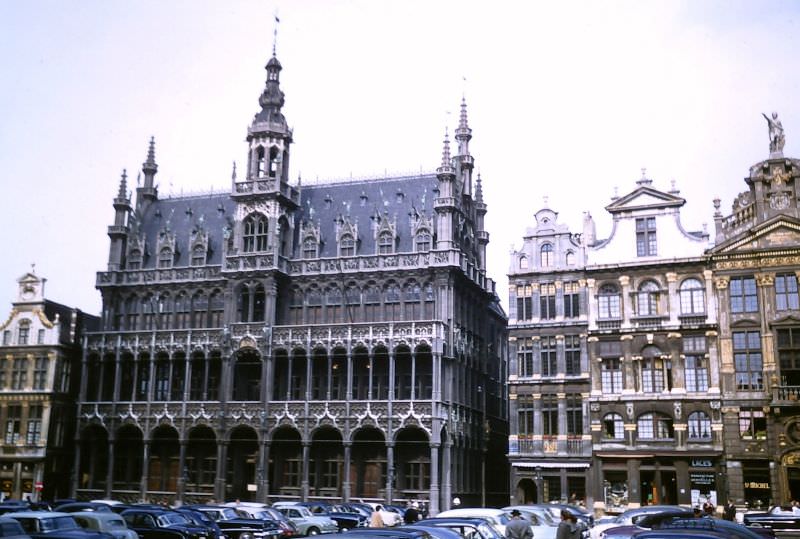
(551, 464)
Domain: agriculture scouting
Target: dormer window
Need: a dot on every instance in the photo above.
(135, 260)
(310, 248)
(255, 233)
(198, 256)
(385, 243)
(423, 241)
(165, 258)
(347, 245)
(646, 236)
(547, 255)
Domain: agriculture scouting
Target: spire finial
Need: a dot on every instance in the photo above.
(446, 149)
(462, 121)
(644, 180)
(233, 174)
(275, 34)
(479, 188)
(123, 185)
(33, 268)
(149, 166)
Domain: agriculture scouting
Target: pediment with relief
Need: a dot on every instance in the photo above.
(645, 197)
(781, 232)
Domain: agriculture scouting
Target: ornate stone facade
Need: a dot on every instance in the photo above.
(287, 341)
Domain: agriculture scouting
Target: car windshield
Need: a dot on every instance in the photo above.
(227, 514)
(486, 530)
(262, 515)
(171, 519)
(58, 523)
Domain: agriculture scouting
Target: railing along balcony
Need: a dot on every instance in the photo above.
(786, 395)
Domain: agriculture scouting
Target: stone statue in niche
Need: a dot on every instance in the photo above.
(776, 135)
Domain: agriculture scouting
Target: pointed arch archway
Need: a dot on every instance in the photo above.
(241, 463)
(201, 462)
(285, 462)
(368, 464)
(327, 458)
(412, 458)
(162, 468)
(128, 458)
(93, 467)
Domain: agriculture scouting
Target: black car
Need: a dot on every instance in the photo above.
(236, 527)
(11, 529)
(198, 518)
(50, 525)
(162, 524)
(344, 519)
(777, 518)
(76, 507)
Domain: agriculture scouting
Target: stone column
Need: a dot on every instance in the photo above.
(634, 484)
(678, 363)
(219, 481)
(110, 471)
(262, 471)
(766, 284)
(627, 303)
(595, 366)
(182, 474)
(390, 472)
(76, 464)
(673, 303)
(590, 293)
(447, 472)
(145, 468)
(561, 443)
(434, 493)
(682, 482)
(117, 370)
(629, 370)
(713, 362)
(727, 368)
(304, 484)
(346, 484)
(711, 298)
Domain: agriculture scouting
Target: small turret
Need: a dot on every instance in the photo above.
(148, 193)
(445, 203)
(465, 160)
(118, 232)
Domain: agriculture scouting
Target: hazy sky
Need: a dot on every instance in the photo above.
(567, 100)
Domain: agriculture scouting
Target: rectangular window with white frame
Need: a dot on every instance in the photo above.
(646, 236)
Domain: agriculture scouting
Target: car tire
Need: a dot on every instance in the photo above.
(312, 531)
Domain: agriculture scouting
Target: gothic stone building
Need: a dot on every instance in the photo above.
(39, 358)
(755, 262)
(338, 340)
(550, 445)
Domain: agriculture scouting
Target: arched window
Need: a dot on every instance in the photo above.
(693, 297)
(314, 305)
(547, 255)
(198, 256)
(699, 426)
(647, 299)
(273, 161)
(255, 233)
(347, 245)
(570, 258)
(310, 248)
(523, 262)
(165, 258)
(261, 162)
(654, 426)
(385, 243)
(135, 260)
(333, 304)
(423, 241)
(613, 427)
(608, 302)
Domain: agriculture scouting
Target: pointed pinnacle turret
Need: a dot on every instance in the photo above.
(123, 186)
(150, 164)
(447, 162)
(463, 132)
(479, 189)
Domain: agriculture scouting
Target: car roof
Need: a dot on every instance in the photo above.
(37, 514)
(472, 511)
(466, 520)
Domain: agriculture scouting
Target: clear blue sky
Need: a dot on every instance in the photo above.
(566, 100)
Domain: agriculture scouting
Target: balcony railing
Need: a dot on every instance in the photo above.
(550, 446)
(786, 395)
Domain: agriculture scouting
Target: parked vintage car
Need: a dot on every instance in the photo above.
(105, 521)
(306, 522)
(632, 516)
(497, 518)
(236, 527)
(261, 511)
(49, 524)
(474, 528)
(11, 529)
(732, 529)
(344, 519)
(162, 524)
(777, 518)
(75, 507)
(203, 521)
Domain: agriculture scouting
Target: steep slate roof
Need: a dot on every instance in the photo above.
(362, 201)
(172, 213)
(321, 204)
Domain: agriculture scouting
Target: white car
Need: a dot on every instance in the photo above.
(497, 518)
